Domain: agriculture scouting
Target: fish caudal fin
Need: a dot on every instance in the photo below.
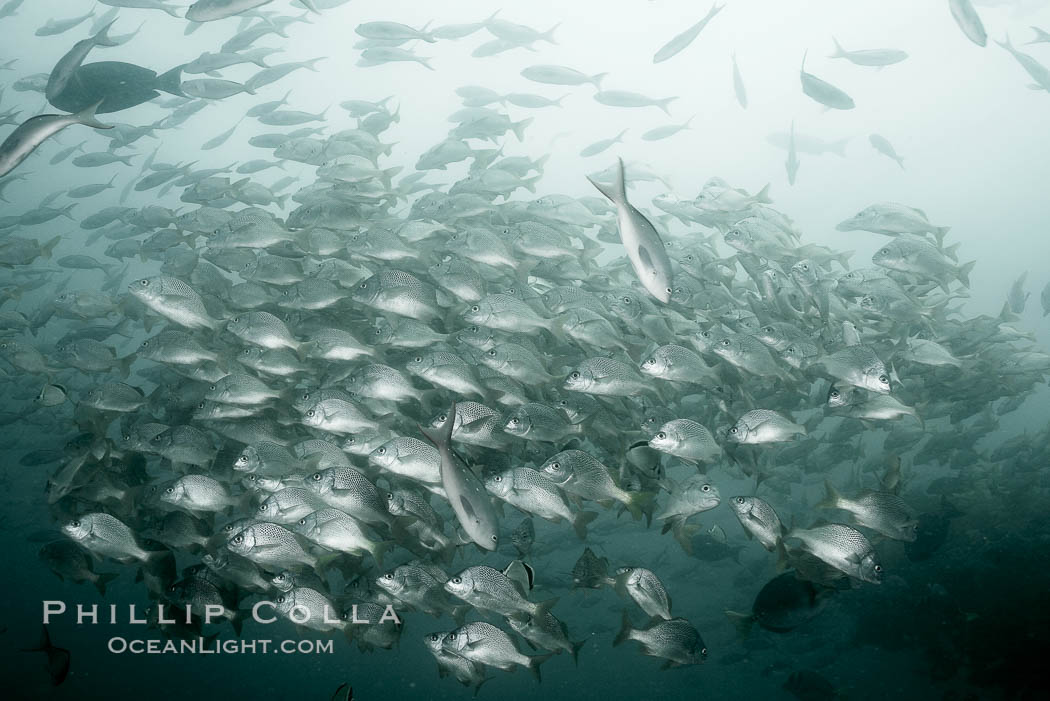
(86, 117)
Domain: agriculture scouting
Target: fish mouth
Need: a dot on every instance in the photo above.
(846, 225)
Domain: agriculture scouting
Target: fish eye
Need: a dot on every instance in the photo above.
(661, 435)
(878, 568)
(474, 329)
(625, 300)
(494, 538)
(381, 450)
(734, 430)
(740, 500)
(280, 599)
(703, 651)
(170, 490)
(364, 285)
(389, 496)
(575, 375)
(705, 488)
(238, 539)
(804, 266)
(556, 465)
(279, 578)
(514, 421)
(668, 290)
(434, 637)
(143, 282)
(419, 359)
(388, 576)
(493, 352)
(475, 308)
(316, 477)
(457, 580)
(883, 379)
(725, 341)
(199, 406)
(302, 522)
(310, 413)
(262, 506)
(451, 636)
(75, 524)
(835, 393)
(497, 478)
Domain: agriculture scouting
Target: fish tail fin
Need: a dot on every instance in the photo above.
(743, 622)
(625, 629)
(104, 579)
(662, 104)
(549, 34)
(831, 499)
(575, 651)
(535, 662)
(544, 607)
(86, 117)
(379, 549)
(763, 195)
(309, 5)
(596, 80)
(964, 272)
(101, 38)
(519, 128)
(48, 248)
(171, 82)
(940, 232)
(579, 524)
(782, 556)
(441, 436)
(642, 503)
(683, 533)
(617, 192)
(839, 51)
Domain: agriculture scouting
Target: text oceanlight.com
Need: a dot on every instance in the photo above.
(203, 646)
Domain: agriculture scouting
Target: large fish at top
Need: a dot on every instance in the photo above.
(115, 86)
(210, 10)
(644, 248)
(466, 493)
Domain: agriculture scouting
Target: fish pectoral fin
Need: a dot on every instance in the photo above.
(468, 508)
(647, 260)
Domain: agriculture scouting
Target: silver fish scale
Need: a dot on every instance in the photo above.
(110, 529)
(608, 368)
(174, 287)
(843, 539)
